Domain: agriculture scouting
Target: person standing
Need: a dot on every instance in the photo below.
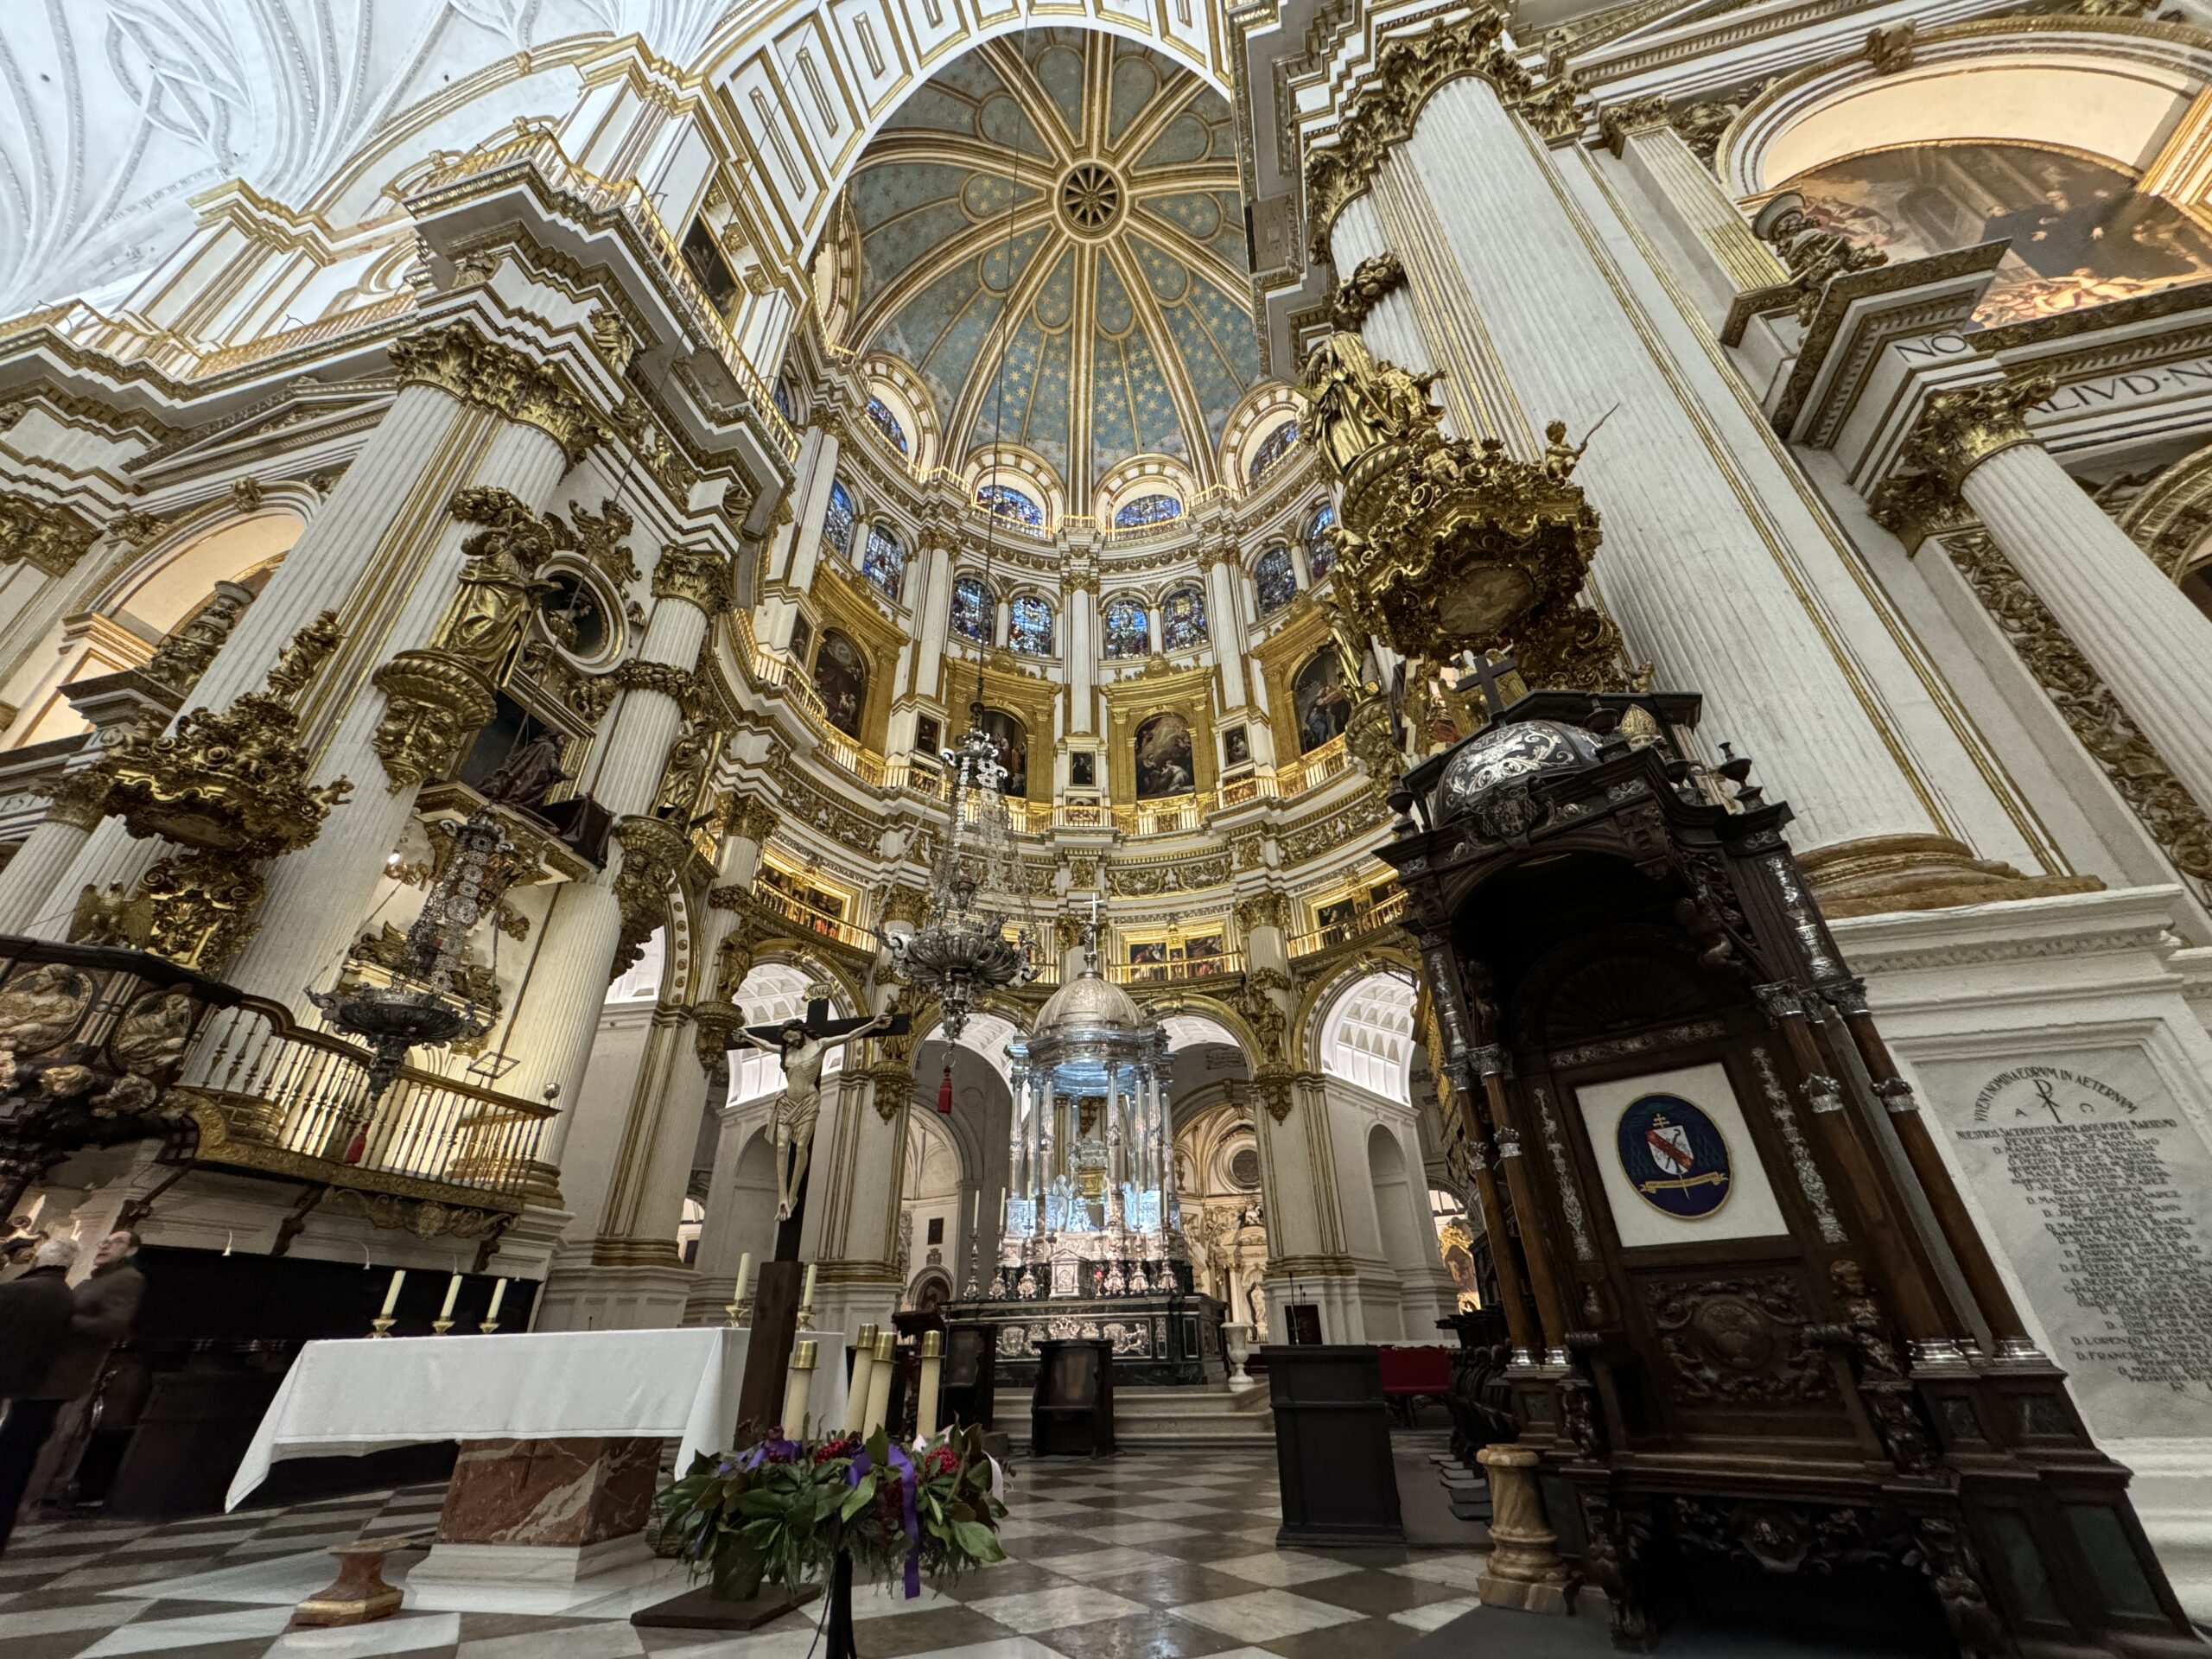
(32, 1449)
(35, 1313)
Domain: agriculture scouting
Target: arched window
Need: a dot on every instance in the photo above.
(841, 676)
(786, 400)
(837, 521)
(1029, 624)
(888, 424)
(1147, 510)
(1129, 629)
(1273, 448)
(1004, 501)
(1320, 551)
(1183, 620)
(971, 609)
(883, 562)
(1275, 578)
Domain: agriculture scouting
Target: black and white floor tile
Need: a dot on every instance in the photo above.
(1139, 1557)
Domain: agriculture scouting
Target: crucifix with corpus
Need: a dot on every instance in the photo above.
(1498, 679)
(802, 1044)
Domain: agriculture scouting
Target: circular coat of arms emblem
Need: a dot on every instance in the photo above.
(1674, 1156)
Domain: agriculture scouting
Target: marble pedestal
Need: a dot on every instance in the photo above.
(544, 1511)
(1522, 1571)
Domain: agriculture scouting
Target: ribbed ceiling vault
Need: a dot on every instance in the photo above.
(1118, 277)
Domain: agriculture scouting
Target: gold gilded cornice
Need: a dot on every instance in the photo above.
(1917, 506)
(1962, 427)
(434, 701)
(42, 534)
(697, 575)
(666, 678)
(1617, 121)
(458, 360)
(1408, 72)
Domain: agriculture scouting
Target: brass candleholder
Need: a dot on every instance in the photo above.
(440, 1325)
(806, 1316)
(381, 1325)
(739, 1311)
(488, 1326)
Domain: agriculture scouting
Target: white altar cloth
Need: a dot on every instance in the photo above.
(341, 1399)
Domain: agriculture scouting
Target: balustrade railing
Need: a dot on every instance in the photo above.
(282, 1087)
(1168, 973)
(814, 921)
(1365, 918)
(1312, 770)
(1165, 817)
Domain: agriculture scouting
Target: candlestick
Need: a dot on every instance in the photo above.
(806, 1300)
(856, 1391)
(795, 1385)
(879, 1379)
(381, 1325)
(391, 1293)
(744, 1276)
(453, 1295)
(925, 1398)
(491, 1313)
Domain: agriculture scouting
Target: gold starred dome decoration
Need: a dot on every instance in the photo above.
(1089, 1002)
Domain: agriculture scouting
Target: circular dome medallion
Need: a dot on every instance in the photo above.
(1090, 199)
(1521, 750)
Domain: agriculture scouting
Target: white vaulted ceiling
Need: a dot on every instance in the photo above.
(114, 113)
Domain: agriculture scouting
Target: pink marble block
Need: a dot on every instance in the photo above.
(566, 1493)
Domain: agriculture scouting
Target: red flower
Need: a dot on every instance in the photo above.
(941, 1460)
(831, 1451)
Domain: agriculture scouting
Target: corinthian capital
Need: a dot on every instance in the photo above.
(698, 575)
(1962, 427)
(458, 360)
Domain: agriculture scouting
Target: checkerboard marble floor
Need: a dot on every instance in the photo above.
(1139, 1557)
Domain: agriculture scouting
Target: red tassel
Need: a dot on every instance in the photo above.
(945, 1091)
(358, 1145)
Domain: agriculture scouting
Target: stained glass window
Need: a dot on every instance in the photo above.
(786, 403)
(837, 523)
(971, 609)
(1147, 510)
(1129, 631)
(1275, 579)
(884, 562)
(1273, 448)
(1029, 626)
(888, 424)
(1007, 502)
(1183, 620)
(1320, 551)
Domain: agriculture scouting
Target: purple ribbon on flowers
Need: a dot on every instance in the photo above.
(769, 1451)
(909, 1486)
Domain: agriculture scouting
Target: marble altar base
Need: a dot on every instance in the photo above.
(544, 1511)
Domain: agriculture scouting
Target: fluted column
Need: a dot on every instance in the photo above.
(558, 1014)
(383, 551)
(35, 892)
(932, 617)
(1699, 581)
(1080, 597)
(2150, 645)
(1218, 562)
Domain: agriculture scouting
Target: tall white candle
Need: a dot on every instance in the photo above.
(806, 1295)
(452, 1290)
(744, 1276)
(391, 1293)
(498, 1295)
(856, 1391)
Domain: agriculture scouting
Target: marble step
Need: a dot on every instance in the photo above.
(1212, 1414)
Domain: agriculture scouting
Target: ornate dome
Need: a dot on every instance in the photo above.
(1126, 279)
(1087, 1003)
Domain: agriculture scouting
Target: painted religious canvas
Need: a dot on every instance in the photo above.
(2080, 233)
(1235, 746)
(1319, 704)
(841, 676)
(1010, 739)
(1163, 758)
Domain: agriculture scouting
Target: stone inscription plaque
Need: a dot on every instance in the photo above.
(2100, 1187)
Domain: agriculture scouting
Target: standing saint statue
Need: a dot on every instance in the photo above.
(802, 1044)
(499, 584)
(1350, 402)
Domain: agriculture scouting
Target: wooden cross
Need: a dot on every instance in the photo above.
(1495, 677)
(820, 1026)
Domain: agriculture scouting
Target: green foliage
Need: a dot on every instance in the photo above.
(779, 1511)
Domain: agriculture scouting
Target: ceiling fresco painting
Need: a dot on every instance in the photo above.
(1077, 195)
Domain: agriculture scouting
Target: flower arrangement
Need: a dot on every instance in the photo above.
(782, 1511)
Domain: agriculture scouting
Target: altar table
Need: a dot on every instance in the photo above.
(344, 1398)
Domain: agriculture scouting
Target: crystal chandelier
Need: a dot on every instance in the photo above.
(963, 946)
(421, 1003)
